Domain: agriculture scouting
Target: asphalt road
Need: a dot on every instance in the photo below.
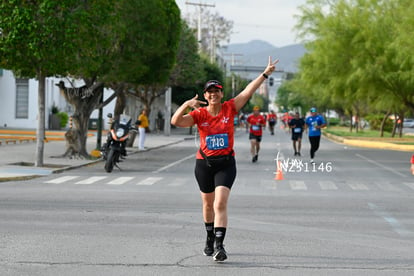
(349, 214)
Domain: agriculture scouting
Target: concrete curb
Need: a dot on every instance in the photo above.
(369, 144)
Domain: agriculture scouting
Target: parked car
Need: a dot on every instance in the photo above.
(408, 123)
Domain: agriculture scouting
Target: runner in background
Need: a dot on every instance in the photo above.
(297, 125)
(256, 122)
(314, 123)
(272, 120)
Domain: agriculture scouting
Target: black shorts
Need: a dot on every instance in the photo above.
(296, 136)
(252, 136)
(221, 172)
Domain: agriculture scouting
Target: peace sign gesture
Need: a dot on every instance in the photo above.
(271, 66)
(241, 99)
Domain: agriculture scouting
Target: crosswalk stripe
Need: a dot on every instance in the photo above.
(177, 182)
(387, 187)
(409, 184)
(91, 180)
(120, 180)
(62, 179)
(149, 181)
(357, 186)
(297, 185)
(328, 185)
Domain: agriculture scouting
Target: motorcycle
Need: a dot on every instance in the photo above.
(114, 148)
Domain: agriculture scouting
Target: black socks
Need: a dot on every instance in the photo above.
(220, 234)
(210, 229)
(217, 233)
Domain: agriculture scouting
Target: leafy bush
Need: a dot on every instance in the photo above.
(375, 122)
(64, 118)
(333, 121)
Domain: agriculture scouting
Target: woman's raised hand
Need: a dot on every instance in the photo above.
(271, 66)
(194, 103)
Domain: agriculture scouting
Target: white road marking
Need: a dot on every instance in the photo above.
(380, 165)
(62, 179)
(177, 182)
(393, 222)
(328, 185)
(387, 187)
(174, 163)
(357, 186)
(91, 180)
(409, 184)
(149, 181)
(120, 180)
(297, 185)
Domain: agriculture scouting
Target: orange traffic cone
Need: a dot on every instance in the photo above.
(279, 173)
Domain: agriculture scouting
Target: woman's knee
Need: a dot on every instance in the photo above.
(208, 206)
(208, 200)
(220, 206)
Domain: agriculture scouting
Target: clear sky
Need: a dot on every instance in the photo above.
(268, 20)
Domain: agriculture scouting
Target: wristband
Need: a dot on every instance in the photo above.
(265, 76)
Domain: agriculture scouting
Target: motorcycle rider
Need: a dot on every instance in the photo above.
(113, 123)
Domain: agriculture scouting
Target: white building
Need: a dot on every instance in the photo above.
(19, 102)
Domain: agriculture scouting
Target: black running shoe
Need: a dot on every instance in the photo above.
(209, 249)
(220, 254)
(255, 158)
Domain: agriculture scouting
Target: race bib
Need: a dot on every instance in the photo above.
(297, 130)
(255, 128)
(217, 141)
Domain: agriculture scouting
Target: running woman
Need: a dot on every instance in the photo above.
(215, 168)
(256, 122)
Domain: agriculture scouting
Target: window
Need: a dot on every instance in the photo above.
(22, 98)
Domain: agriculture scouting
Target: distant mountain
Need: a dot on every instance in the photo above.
(256, 53)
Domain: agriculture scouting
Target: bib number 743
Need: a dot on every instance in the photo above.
(217, 141)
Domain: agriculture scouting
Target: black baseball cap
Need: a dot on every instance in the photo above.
(212, 83)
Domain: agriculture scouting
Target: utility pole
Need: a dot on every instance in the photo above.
(167, 112)
(233, 83)
(213, 46)
(200, 6)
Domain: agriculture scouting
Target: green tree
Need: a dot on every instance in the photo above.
(188, 74)
(149, 49)
(188, 69)
(118, 44)
(36, 42)
(92, 61)
(354, 59)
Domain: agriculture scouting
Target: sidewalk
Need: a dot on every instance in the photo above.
(17, 160)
